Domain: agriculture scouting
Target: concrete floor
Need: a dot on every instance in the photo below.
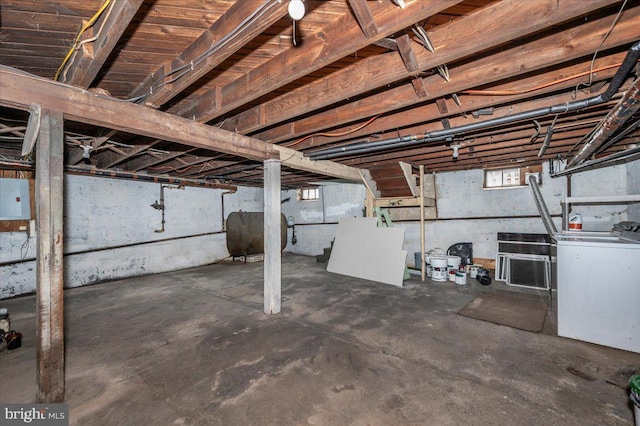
(193, 347)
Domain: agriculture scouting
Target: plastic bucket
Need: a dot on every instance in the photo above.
(473, 270)
(438, 268)
(453, 262)
(429, 268)
(634, 383)
(461, 278)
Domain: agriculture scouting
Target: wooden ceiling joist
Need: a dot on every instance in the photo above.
(470, 103)
(209, 50)
(84, 65)
(339, 39)
(19, 90)
(452, 42)
(364, 17)
(544, 52)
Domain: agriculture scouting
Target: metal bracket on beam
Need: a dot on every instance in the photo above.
(33, 129)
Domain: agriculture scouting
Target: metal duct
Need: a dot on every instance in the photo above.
(439, 135)
(628, 105)
(588, 165)
(542, 207)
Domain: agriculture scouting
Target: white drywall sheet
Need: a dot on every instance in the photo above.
(363, 250)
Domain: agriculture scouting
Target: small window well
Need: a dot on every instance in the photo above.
(309, 193)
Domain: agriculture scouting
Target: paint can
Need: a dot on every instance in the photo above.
(461, 278)
(453, 263)
(439, 268)
(452, 275)
(473, 270)
(429, 268)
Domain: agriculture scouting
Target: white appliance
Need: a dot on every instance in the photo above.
(599, 289)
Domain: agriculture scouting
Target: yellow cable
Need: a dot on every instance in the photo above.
(86, 26)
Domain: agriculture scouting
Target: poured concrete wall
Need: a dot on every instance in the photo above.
(110, 232)
(466, 211)
(633, 188)
(316, 221)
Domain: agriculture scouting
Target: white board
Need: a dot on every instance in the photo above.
(363, 250)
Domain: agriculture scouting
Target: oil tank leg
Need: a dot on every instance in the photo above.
(272, 237)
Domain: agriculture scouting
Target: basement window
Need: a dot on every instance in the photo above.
(509, 177)
(309, 193)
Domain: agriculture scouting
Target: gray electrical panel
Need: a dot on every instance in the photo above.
(14, 199)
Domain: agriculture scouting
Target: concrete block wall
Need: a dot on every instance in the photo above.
(110, 233)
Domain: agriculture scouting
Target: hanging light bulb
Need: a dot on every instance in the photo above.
(455, 148)
(296, 9)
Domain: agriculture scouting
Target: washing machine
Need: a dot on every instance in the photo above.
(598, 289)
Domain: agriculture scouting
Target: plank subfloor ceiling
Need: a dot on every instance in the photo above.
(368, 77)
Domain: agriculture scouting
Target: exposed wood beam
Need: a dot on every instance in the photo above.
(84, 66)
(218, 167)
(76, 156)
(459, 121)
(410, 177)
(364, 17)
(210, 49)
(144, 163)
(419, 87)
(49, 265)
(544, 52)
(424, 113)
(108, 159)
(338, 40)
(524, 17)
(296, 160)
(407, 54)
(19, 90)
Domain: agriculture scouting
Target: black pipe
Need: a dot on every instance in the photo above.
(616, 82)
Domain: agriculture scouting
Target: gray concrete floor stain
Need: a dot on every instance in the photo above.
(193, 347)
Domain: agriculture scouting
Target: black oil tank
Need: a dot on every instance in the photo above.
(245, 233)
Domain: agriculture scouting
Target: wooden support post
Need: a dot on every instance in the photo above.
(272, 250)
(49, 294)
(368, 205)
(422, 266)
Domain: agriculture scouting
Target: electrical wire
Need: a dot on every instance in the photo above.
(332, 135)
(595, 54)
(539, 87)
(188, 67)
(25, 247)
(89, 40)
(84, 28)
